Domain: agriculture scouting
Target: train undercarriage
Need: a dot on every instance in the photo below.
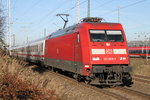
(108, 75)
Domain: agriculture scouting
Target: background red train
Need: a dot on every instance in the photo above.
(139, 51)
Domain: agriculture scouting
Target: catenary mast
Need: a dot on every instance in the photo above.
(88, 8)
(9, 26)
(77, 11)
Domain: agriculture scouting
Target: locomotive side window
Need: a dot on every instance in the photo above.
(114, 36)
(78, 37)
(97, 35)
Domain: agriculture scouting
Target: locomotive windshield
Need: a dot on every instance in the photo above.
(114, 36)
(98, 35)
(106, 35)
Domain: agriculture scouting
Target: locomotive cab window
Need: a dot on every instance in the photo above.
(106, 35)
(97, 35)
(114, 36)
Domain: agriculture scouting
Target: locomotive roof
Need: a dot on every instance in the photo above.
(72, 28)
(60, 32)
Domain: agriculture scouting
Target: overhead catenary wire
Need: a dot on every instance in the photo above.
(52, 11)
(129, 5)
(133, 21)
(43, 18)
(101, 5)
(135, 3)
(99, 1)
(51, 20)
(29, 9)
(75, 6)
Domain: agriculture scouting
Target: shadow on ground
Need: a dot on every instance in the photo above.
(39, 69)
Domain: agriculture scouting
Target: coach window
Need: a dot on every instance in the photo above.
(114, 36)
(41, 49)
(97, 35)
(144, 51)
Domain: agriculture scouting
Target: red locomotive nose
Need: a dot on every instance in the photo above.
(108, 47)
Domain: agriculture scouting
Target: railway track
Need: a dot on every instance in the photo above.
(116, 95)
(130, 93)
(120, 93)
(94, 88)
(134, 92)
(109, 91)
(144, 79)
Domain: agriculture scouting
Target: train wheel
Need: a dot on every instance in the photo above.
(41, 64)
(87, 82)
(78, 77)
(49, 68)
(127, 81)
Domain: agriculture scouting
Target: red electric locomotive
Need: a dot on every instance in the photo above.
(93, 51)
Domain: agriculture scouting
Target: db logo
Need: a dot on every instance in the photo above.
(107, 44)
(109, 51)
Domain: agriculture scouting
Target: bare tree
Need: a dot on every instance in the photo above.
(2, 27)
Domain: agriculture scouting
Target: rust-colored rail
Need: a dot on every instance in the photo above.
(104, 91)
(144, 79)
(134, 92)
(140, 76)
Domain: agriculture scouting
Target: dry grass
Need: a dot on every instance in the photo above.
(140, 66)
(14, 87)
(42, 80)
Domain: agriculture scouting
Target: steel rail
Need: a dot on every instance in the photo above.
(144, 79)
(96, 89)
(140, 76)
(134, 92)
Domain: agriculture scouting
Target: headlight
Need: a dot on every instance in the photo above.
(123, 58)
(95, 58)
(86, 66)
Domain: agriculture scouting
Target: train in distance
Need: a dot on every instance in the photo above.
(139, 51)
(93, 51)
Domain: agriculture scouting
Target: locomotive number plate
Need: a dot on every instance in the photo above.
(109, 51)
(109, 58)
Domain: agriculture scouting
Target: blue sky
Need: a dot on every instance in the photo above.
(31, 17)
